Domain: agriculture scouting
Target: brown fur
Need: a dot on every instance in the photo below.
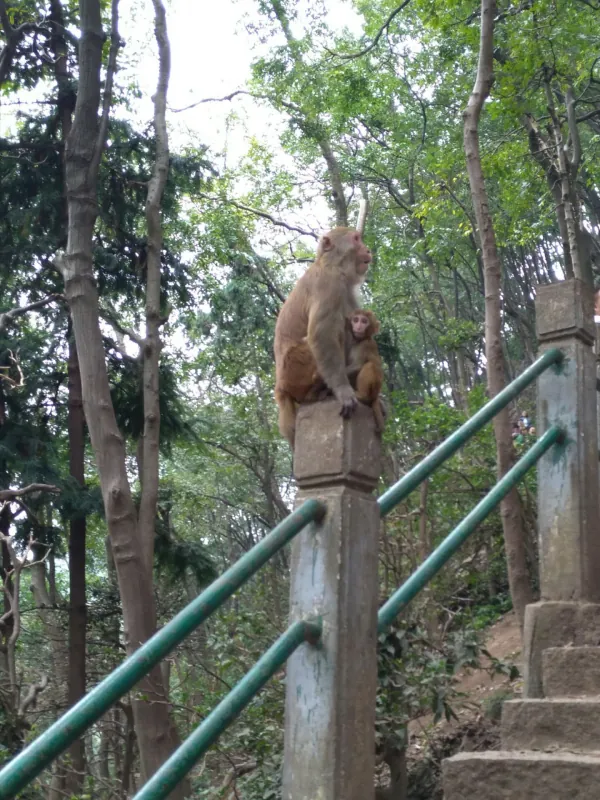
(310, 330)
(364, 369)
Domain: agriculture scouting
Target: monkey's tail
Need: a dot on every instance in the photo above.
(287, 415)
(378, 414)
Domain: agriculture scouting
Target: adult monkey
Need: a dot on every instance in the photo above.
(311, 327)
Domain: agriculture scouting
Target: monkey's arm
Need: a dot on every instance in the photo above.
(325, 338)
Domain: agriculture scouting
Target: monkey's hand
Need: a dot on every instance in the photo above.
(345, 395)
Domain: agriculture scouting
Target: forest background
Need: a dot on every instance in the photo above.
(197, 202)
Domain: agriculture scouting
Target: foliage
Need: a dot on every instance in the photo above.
(391, 121)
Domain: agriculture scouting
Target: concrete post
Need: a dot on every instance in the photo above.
(568, 506)
(330, 690)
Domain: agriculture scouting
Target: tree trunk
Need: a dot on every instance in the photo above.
(510, 508)
(76, 433)
(395, 758)
(156, 736)
(77, 592)
(53, 630)
(8, 623)
(152, 344)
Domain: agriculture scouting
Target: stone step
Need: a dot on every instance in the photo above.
(500, 775)
(571, 671)
(552, 724)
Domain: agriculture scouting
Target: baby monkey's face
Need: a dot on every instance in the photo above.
(360, 325)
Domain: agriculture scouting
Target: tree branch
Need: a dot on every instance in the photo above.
(31, 696)
(8, 316)
(375, 42)
(575, 157)
(362, 215)
(111, 68)
(11, 494)
(263, 214)
(110, 316)
(215, 100)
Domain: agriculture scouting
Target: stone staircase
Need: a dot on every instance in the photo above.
(550, 745)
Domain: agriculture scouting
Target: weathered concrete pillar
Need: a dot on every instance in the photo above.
(330, 690)
(597, 353)
(568, 507)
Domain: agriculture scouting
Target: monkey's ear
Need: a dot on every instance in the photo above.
(326, 243)
(374, 323)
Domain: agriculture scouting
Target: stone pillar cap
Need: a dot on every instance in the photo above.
(331, 450)
(565, 309)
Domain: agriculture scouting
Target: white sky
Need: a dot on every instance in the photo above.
(211, 55)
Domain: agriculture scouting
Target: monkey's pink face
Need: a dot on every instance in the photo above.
(363, 255)
(360, 324)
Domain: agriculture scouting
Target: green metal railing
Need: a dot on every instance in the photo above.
(423, 574)
(430, 463)
(33, 759)
(183, 759)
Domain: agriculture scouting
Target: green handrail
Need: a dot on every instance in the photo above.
(433, 563)
(187, 754)
(41, 752)
(29, 763)
(396, 493)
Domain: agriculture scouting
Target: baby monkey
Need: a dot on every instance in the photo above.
(364, 368)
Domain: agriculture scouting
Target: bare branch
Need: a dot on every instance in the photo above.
(263, 214)
(267, 279)
(115, 43)
(384, 28)
(362, 215)
(337, 186)
(575, 157)
(31, 696)
(13, 36)
(9, 316)
(215, 100)
(237, 771)
(11, 494)
(15, 384)
(110, 315)
(589, 115)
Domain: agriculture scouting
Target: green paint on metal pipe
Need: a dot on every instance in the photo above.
(184, 758)
(31, 761)
(396, 493)
(432, 565)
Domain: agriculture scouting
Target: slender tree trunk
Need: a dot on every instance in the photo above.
(510, 509)
(53, 631)
(8, 623)
(313, 127)
(77, 589)
(152, 343)
(156, 736)
(76, 434)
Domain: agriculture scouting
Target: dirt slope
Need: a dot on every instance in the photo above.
(503, 642)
